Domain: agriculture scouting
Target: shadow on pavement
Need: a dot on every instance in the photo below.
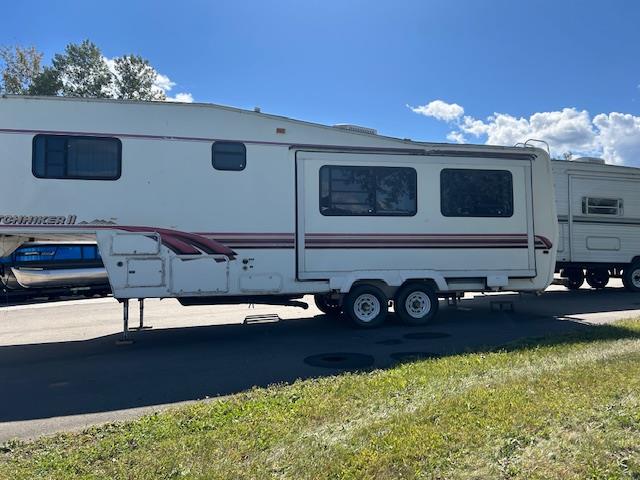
(40, 381)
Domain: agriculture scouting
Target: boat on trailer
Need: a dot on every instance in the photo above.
(211, 204)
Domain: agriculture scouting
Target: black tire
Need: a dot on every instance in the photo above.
(327, 305)
(631, 277)
(416, 304)
(597, 277)
(366, 306)
(574, 278)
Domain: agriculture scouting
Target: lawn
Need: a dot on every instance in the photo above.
(559, 407)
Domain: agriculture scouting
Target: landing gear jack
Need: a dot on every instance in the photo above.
(141, 326)
(124, 338)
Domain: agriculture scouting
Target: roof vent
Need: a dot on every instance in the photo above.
(596, 160)
(356, 128)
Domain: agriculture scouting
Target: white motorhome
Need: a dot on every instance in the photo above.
(210, 204)
(598, 209)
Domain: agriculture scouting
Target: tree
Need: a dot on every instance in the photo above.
(135, 79)
(83, 71)
(46, 83)
(20, 66)
(80, 71)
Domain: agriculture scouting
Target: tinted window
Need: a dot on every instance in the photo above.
(476, 193)
(228, 156)
(383, 191)
(83, 158)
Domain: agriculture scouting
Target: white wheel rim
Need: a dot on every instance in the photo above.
(417, 304)
(635, 277)
(366, 307)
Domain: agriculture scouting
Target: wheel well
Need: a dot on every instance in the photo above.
(427, 281)
(391, 291)
(382, 285)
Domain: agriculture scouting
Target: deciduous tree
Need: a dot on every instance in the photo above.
(83, 71)
(135, 79)
(20, 65)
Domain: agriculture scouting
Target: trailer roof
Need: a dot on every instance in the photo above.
(597, 167)
(164, 104)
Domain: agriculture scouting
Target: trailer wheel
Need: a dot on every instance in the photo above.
(575, 278)
(416, 304)
(597, 277)
(327, 305)
(631, 277)
(367, 306)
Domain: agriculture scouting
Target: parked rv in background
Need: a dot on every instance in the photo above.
(599, 222)
(211, 204)
(54, 269)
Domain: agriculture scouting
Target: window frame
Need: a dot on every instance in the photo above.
(619, 206)
(373, 214)
(73, 177)
(484, 170)
(227, 142)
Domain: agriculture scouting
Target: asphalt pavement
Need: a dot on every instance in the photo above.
(62, 369)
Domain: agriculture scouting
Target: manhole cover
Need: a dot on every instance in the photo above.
(413, 356)
(425, 335)
(340, 360)
(391, 341)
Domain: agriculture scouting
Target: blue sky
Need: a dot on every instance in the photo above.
(364, 62)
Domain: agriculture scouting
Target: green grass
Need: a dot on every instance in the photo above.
(559, 407)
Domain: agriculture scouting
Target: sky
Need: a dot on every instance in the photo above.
(468, 71)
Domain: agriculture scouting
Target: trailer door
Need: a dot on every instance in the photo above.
(407, 229)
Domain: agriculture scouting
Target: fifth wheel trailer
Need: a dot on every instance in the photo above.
(211, 204)
(598, 209)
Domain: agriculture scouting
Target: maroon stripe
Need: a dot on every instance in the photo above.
(406, 247)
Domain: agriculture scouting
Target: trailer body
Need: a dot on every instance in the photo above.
(598, 208)
(211, 204)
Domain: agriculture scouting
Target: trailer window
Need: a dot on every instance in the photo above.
(229, 156)
(367, 191)
(476, 193)
(76, 157)
(601, 206)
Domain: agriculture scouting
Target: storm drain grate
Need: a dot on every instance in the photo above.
(340, 360)
(413, 356)
(426, 335)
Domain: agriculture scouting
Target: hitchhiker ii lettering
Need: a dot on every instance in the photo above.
(37, 220)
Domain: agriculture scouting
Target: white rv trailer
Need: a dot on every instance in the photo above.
(210, 204)
(598, 209)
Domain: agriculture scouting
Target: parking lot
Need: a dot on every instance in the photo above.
(60, 366)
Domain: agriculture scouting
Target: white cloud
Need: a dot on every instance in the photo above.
(613, 136)
(182, 97)
(619, 137)
(439, 110)
(456, 137)
(164, 83)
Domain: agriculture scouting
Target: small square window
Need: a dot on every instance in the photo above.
(228, 156)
